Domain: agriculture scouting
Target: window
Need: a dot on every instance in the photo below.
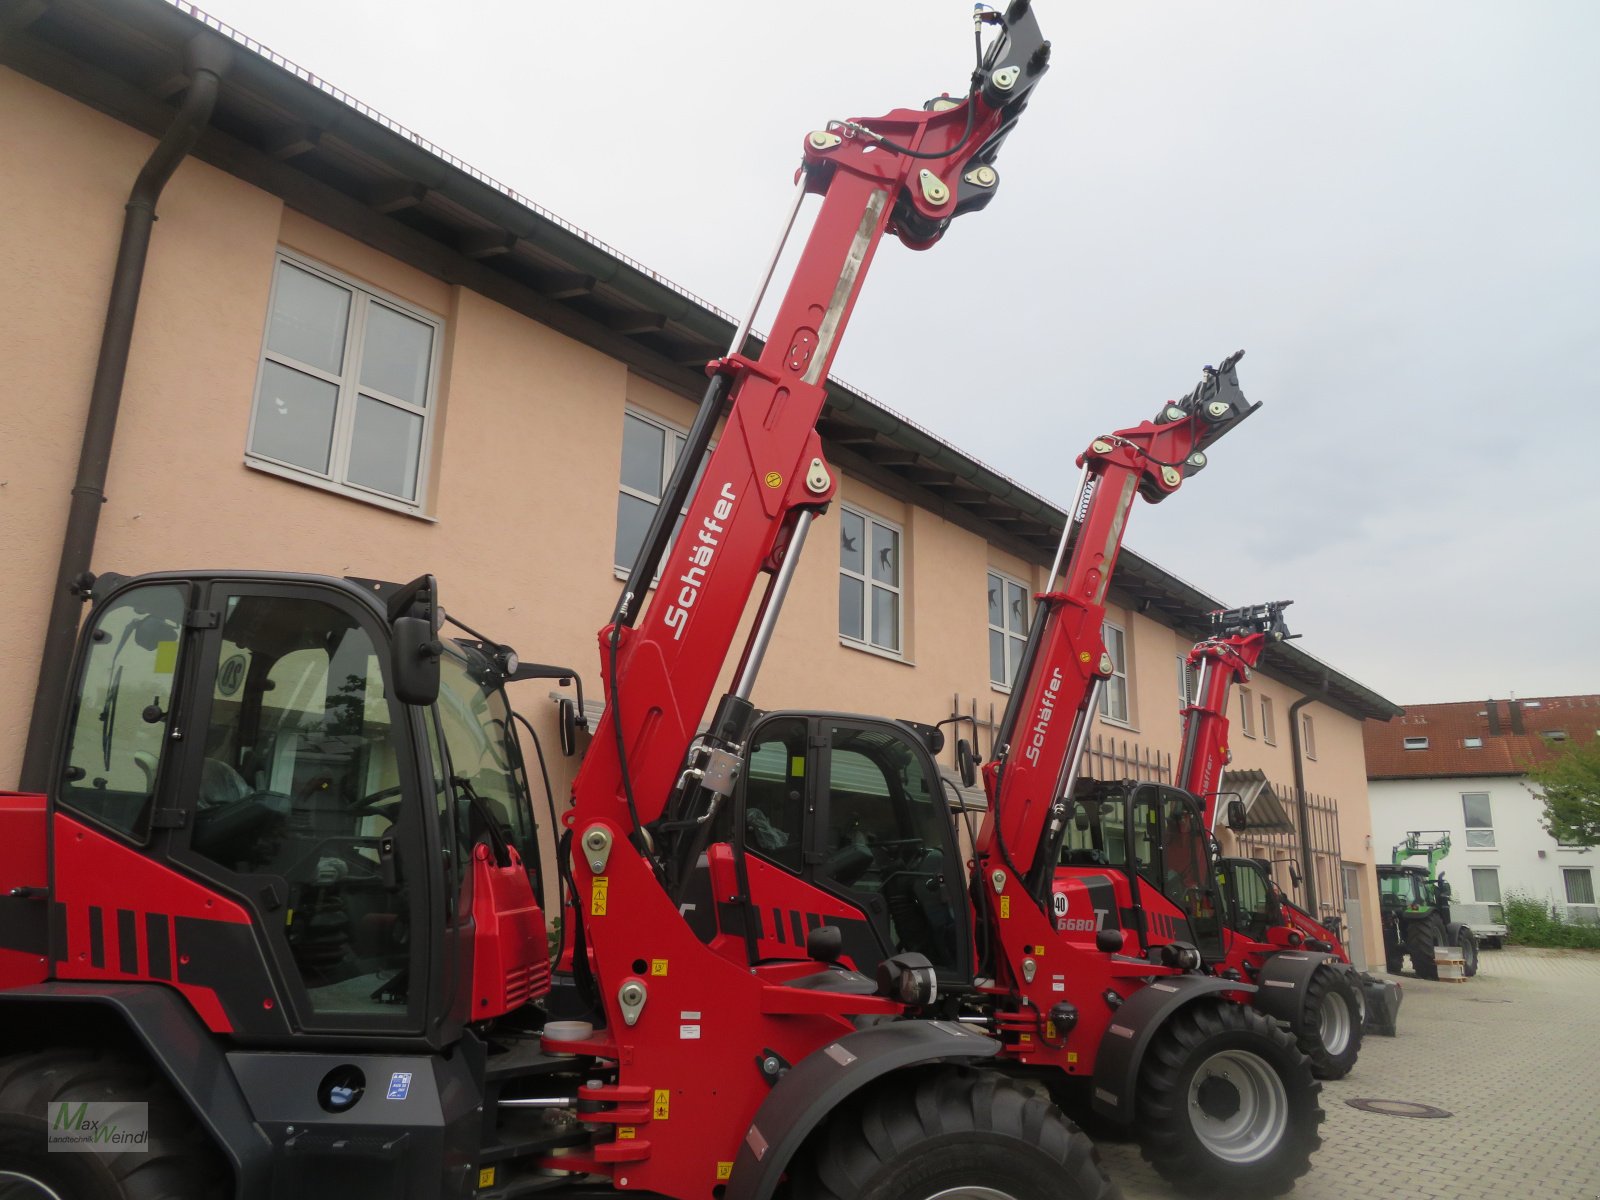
(1553, 735)
(1008, 627)
(1350, 879)
(1114, 692)
(118, 723)
(1247, 712)
(1472, 743)
(650, 450)
(1415, 743)
(869, 581)
(1188, 682)
(1308, 737)
(1269, 724)
(1480, 821)
(345, 392)
(1486, 885)
(1580, 884)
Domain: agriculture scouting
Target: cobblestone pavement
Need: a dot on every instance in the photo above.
(1512, 1054)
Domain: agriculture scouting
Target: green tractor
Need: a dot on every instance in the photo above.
(1415, 905)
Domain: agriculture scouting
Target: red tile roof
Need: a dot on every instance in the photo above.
(1512, 734)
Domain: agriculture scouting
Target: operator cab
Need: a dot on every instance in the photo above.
(310, 753)
(1140, 854)
(1253, 901)
(838, 821)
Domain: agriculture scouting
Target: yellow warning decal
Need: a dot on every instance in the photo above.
(1072, 1056)
(1050, 1030)
(486, 1177)
(773, 480)
(166, 658)
(724, 1170)
(626, 1133)
(797, 766)
(658, 966)
(597, 896)
(662, 1104)
(1005, 907)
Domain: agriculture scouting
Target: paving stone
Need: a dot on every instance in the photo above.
(1520, 1079)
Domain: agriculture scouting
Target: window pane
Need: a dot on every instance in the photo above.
(1115, 647)
(1480, 837)
(997, 657)
(1580, 886)
(633, 522)
(294, 418)
(1017, 645)
(1476, 807)
(308, 321)
(851, 603)
(996, 601)
(642, 446)
(885, 555)
(127, 680)
(1486, 885)
(1016, 608)
(885, 618)
(396, 354)
(852, 542)
(386, 447)
(1114, 699)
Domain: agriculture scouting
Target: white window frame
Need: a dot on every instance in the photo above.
(1247, 712)
(865, 642)
(1477, 896)
(349, 385)
(1269, 722)
(1104, 707)
(1416, 742)
(669, 460)
(1308, 737)
(1566, 886)
(1007, 636)
(1350, 882)
(1471, 829)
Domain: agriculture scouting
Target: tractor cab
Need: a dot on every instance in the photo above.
(1408, 889)
(1254, 902)
(291, 797)
(838, 821)
(1140, 853)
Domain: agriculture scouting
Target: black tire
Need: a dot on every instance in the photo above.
(1184, 1133)
(177, 1163)
(935, 1130)
(1469, 950)
(1329, 1032)
(1422, 936)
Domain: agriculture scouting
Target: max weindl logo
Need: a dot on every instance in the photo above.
(117, 1127)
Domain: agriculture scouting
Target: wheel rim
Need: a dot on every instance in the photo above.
(1238, 1106)
(16, 1186)
(1334, 1024)
(971, 1193)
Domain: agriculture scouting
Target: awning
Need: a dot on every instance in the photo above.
(1262, 805)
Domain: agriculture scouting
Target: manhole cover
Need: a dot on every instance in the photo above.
(1398, 1108)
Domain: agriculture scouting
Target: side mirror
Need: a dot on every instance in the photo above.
(825, 943)
(416, 653)
(567, 726)
(966, 762)
(1237, 817)
(1108, 941)
(1294, 874)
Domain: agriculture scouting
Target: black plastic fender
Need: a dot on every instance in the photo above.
(823, 1080)
(1283, 981)
(1116, 1068)
(185, 1051)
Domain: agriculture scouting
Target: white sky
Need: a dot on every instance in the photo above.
(1391, 207)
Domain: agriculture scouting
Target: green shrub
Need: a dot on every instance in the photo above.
(1532, 922)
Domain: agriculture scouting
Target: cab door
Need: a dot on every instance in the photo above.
(304, 795)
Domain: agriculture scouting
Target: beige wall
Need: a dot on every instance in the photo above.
(522, 493)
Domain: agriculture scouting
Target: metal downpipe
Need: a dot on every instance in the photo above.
(1303, 809)
(207, 58)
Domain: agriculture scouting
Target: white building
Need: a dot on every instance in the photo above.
(1462, 768)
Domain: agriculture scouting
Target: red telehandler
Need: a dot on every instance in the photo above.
(1301, 968)
(1080, 934)
(273, 922)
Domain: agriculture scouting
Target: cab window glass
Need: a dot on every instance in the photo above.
(774, 797)
(122, 710)
(484, 768)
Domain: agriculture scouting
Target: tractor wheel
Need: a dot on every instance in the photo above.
(177, 1162)
(954, 1133)
(1469, 950)
(1227, 1105)
(1422, 936)
(1329, 1033)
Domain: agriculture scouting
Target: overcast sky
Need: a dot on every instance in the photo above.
(1394, 208)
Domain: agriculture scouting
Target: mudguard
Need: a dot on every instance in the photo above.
(1284, 978)
(185, 1052)
(1382, 1004)
(1116, 1068)
(819, 1083)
